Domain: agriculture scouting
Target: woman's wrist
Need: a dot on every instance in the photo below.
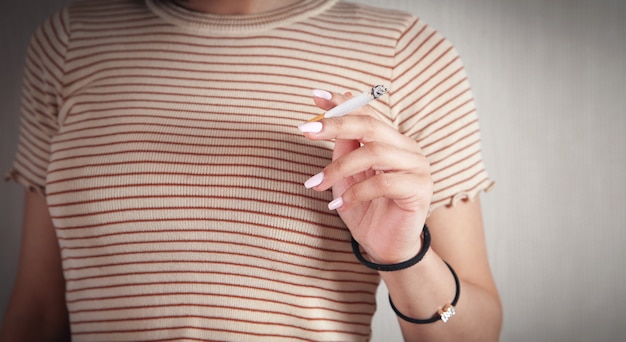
(396, 266)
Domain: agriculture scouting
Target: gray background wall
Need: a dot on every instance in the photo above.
(549, 78)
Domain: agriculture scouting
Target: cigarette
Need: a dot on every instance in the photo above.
(353, 104)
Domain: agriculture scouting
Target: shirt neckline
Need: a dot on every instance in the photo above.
(177, 15)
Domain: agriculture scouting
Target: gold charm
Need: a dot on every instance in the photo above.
(447, 312)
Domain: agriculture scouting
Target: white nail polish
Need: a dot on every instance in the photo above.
(336, 203)
(314, 181)
(311, 127)
(322, 94)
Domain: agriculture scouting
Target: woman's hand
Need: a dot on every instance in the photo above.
(381, 181)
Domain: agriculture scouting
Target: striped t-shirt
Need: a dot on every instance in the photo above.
(166, 144)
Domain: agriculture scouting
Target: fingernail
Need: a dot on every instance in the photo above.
(322, 94)
(314, 181)
(336, 203)
(345, 92)
(311, 127)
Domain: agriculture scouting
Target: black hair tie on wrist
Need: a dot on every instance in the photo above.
(444, 314)
(394, 267)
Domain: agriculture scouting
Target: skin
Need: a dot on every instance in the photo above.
(36, 310)
(237, 7)
(385, 185)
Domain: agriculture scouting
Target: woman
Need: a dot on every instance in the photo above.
(162, 143)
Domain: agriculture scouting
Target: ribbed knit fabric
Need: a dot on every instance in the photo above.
(165, 142)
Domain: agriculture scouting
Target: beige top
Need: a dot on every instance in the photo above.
(165, 142)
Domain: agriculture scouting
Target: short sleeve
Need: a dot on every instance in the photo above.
(432, 102)
(42, 97)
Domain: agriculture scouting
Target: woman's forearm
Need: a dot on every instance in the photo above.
(420, 291)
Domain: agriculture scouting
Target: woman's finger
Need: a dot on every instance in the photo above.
(363, 128)
(374, 156)
(343, 147)
(326, 100)
(410, 192)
